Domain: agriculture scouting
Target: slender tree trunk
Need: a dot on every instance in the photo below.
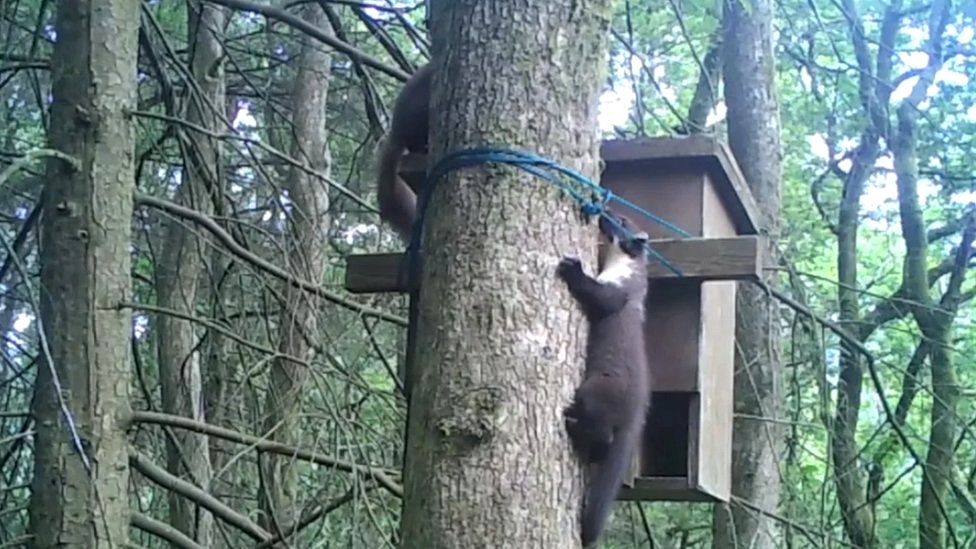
(500, 342)
(306, 245)
(874, 89)
(706, 91)
(935, 320)
(80, 486)
(222, 402)
(180, 266)
(223, 376)
(754, 136)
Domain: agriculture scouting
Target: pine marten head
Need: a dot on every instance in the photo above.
(624, 255)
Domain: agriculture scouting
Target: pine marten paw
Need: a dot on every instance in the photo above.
(571, 419)
(573, 429)
(569, 267)
(571, 416)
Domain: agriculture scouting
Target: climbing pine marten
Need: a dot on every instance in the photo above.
(408, 132)
(606, 417)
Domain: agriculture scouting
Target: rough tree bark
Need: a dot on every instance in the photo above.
(306, 245)
(754, 137)
(180, 266)
(500, 342)
(85, 275)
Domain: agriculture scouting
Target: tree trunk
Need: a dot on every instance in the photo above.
(306, 245)
(180, 266)
(934, 320)
(223, 373)
(874, 89)
(500, 342)
(754, 137)
(706, 89)
(80, 486)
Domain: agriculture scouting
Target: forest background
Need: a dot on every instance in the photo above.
(254, 137)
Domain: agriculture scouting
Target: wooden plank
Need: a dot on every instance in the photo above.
(744, 204)
(714, 406)
(730, 258)
(664, 489)
(733, 258)
(374, 273)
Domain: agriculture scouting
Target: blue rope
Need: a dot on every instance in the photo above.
(596, 204)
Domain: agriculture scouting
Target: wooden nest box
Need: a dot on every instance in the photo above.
(694, 183)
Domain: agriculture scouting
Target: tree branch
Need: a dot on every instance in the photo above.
(898, 304)
(164, 479)
(953, 294)
(234, 247)
(163, 531)
(311, 30)
(381, 477)
(312, 516)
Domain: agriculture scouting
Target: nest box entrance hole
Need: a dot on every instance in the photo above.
(666, 444)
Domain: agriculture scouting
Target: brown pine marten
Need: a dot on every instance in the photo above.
(408, 132)
(606, 418)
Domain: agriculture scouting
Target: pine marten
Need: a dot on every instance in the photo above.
(408, 132)
(606, 418)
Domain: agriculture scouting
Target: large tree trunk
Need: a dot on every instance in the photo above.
(500, 341)
(80, 486)
(306, 246)
(179, 268)
(754, 136)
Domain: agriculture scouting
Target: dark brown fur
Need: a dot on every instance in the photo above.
(408, 132)
(606, 418)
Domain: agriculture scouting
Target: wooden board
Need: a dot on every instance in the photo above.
(732, 258)
(674, 489)
(715, 405)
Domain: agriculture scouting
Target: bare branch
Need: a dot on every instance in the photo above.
(162, 530)
(309, 29)
(234, 247)
(159, 475)
(381, 477)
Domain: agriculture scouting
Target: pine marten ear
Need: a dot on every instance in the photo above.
(635, 245)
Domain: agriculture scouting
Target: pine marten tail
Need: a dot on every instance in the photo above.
(397, 201)
(605, 483)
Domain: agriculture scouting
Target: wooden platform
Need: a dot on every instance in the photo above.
(729, 258)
